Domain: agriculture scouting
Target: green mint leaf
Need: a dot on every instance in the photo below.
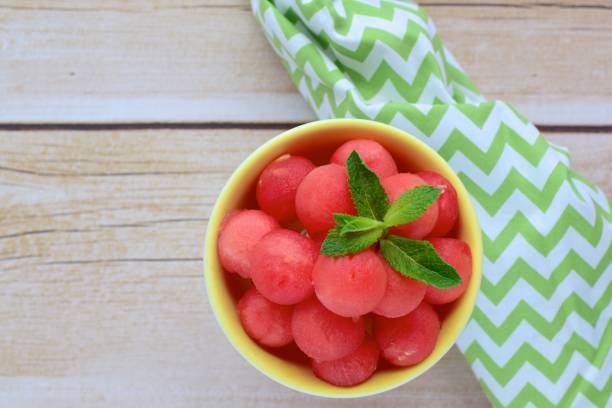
(418, 260)
(411, 205)
(350, 223)
(336, 244)
(343, 219)
(368, 195)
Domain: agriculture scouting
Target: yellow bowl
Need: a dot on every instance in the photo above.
(317, 140)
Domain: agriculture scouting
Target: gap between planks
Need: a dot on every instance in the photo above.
(604, 129)
(140, 6)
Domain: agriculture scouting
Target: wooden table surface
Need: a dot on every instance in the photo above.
(119, 124)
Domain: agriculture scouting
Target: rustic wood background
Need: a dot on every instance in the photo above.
(119, 124)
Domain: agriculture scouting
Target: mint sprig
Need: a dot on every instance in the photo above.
(368, 194)
(337, 244)
(418, 260)
(410, 205)
(352, 234)
(350, 223)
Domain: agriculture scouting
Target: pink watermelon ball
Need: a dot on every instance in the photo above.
(350, 285)
(376, 157)
(323, 192)
(448, 207)
(402, 295)
(323, 335)
(409, 339)
(269, 324)
(278, 184)
(352, 369)
(458, 254)
(281, 266)
(239, 233)
(318, 241)
(395, 186)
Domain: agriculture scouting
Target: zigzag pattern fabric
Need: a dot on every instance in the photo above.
(540, 334)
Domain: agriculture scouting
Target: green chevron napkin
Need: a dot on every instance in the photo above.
(540, 334)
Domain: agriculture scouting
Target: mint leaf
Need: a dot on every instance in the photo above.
(336, 244)
(350, 223)
(368, 195)
(418, 260)
(411, 205)
(343, 219)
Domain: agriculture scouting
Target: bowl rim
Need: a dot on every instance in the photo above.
(214, 221)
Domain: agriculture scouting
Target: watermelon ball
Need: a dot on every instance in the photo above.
(395, 186)
(376, 157)
(350, 285)
(458, 254)
(239, 233)
(278, 184)
(409, 339)
(448, 208)
(323, 335)
(281, 266)
(269, 324)
(318, 241)
(323, 192)
(352, 369)
(402, 295)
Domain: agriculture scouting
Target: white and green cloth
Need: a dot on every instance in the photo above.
(540, 334)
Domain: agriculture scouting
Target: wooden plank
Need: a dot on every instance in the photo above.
(590, 156)
(207, 61)
(103, 300)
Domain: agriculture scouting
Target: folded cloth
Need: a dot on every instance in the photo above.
(540, 334)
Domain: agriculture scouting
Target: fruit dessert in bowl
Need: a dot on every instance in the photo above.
(343, 258)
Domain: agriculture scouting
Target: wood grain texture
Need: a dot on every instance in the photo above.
(101, 288)
(189, 60)
(103, 299)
